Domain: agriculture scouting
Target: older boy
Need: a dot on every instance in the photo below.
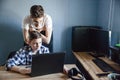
(39, 21)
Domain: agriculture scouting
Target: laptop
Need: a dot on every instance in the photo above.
(43, 64)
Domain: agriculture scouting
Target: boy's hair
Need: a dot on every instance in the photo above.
(34, 35)
(36, 11)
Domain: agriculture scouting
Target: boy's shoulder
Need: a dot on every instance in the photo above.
(44, 47)
(24, 48)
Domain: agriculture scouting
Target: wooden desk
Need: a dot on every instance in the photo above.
(90, 67)
(8, 75)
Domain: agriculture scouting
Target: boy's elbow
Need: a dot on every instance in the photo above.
(47, 42)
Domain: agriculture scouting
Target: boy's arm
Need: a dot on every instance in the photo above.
(21, 69)
(15, 68)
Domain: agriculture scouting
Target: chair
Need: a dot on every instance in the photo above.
(11, 54)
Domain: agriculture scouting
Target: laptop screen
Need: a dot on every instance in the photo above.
(47, 63)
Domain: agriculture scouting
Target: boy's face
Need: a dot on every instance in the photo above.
(35, 44)
(37, 21)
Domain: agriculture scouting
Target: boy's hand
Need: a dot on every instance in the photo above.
(24, 70)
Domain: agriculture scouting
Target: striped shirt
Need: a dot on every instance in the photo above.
(24, 56)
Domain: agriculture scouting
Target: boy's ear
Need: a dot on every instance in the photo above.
(27, 42)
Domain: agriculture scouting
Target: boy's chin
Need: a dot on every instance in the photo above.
(36, 49)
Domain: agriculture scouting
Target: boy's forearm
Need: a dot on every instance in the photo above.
(15, 68)
(21, 69)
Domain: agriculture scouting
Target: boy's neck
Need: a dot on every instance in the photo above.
(34, 52)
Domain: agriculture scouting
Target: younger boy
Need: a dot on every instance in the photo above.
(23, 57)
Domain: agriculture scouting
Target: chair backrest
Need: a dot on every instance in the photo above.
(11, 54)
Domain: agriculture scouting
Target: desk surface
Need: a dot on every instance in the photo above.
(86, 60)
(8, 75)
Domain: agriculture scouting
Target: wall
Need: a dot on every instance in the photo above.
(65, 14)
(79, 12)
(103, 13)
(116, 23)
(109, 16)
